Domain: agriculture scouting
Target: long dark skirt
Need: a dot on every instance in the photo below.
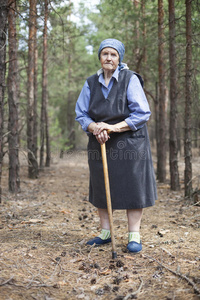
(130, 167)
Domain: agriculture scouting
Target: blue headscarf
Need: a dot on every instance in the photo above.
(113, 43)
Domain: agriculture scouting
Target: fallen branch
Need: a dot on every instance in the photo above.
(165, 250)
(36, 284)
(91, 251)
(7, 281)
(196, 289)
(136, 292)
(74, 272)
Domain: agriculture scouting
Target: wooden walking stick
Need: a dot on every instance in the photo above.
(108, 197)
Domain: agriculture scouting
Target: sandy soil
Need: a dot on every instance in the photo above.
(43, 231)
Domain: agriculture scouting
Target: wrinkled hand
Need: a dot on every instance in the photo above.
(101, 132)
(102, 137)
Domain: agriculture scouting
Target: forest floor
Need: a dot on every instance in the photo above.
(43, 231)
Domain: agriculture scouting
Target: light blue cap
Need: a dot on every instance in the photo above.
(115, 44)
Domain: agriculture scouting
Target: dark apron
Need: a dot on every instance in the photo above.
(130, 167)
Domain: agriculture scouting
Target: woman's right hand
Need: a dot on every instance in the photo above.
(100, 133)
(102, 137)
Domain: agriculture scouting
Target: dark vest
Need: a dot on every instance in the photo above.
(131, 174)
(114, 108)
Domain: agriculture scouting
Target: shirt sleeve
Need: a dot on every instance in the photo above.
(137, 104)
(82, 106)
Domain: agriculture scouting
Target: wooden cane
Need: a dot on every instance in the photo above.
(108, 197)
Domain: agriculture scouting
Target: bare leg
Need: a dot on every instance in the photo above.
(104, 218)
(134, 219)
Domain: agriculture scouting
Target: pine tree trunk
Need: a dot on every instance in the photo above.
(45, 87)
(173, 141)
(144, 35)
(188, 103)
(13, 137)
(32, 147)
(136, 50)
(161, 143)
(44, 114)
(156, 112)
(70, 103)
(35, 120)
(3, 37)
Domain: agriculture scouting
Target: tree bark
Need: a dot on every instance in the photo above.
(44, 114)
(70, 101)
(188, 103)
(144, 35)
(161, 143)
(32, 147)
(3, 37)
(13, 127)
(173, 141)
(35, 114)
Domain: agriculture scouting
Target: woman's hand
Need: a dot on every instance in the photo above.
(101, 126)
(102, 137)
(101, 130)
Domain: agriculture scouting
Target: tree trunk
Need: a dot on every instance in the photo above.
(13, 137)
(156, 111)
(44, 114)
(188, 102)
(173, 141)
(144, 35)
(3, 37)
(136, 50)
(35, 115)
(161, 144)
(32, 147)
(70, 102)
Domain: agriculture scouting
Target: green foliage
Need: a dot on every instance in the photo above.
(70, 61)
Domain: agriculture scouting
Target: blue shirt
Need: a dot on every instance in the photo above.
(137, 102)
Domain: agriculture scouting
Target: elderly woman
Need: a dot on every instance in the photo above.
(113, 100)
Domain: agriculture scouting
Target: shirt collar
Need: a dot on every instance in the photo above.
(115, 74)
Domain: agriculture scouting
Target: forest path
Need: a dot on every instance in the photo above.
(43, 231)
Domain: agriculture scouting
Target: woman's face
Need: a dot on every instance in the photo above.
(109, 59)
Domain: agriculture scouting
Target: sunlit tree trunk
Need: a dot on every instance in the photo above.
(32, 147)
(161, 143)
(188, 102)
(13, 127)
(173, 142)
(3, 37)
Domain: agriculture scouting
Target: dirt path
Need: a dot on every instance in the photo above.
(43, 253)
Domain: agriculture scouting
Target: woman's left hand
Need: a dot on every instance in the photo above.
(101, 126)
